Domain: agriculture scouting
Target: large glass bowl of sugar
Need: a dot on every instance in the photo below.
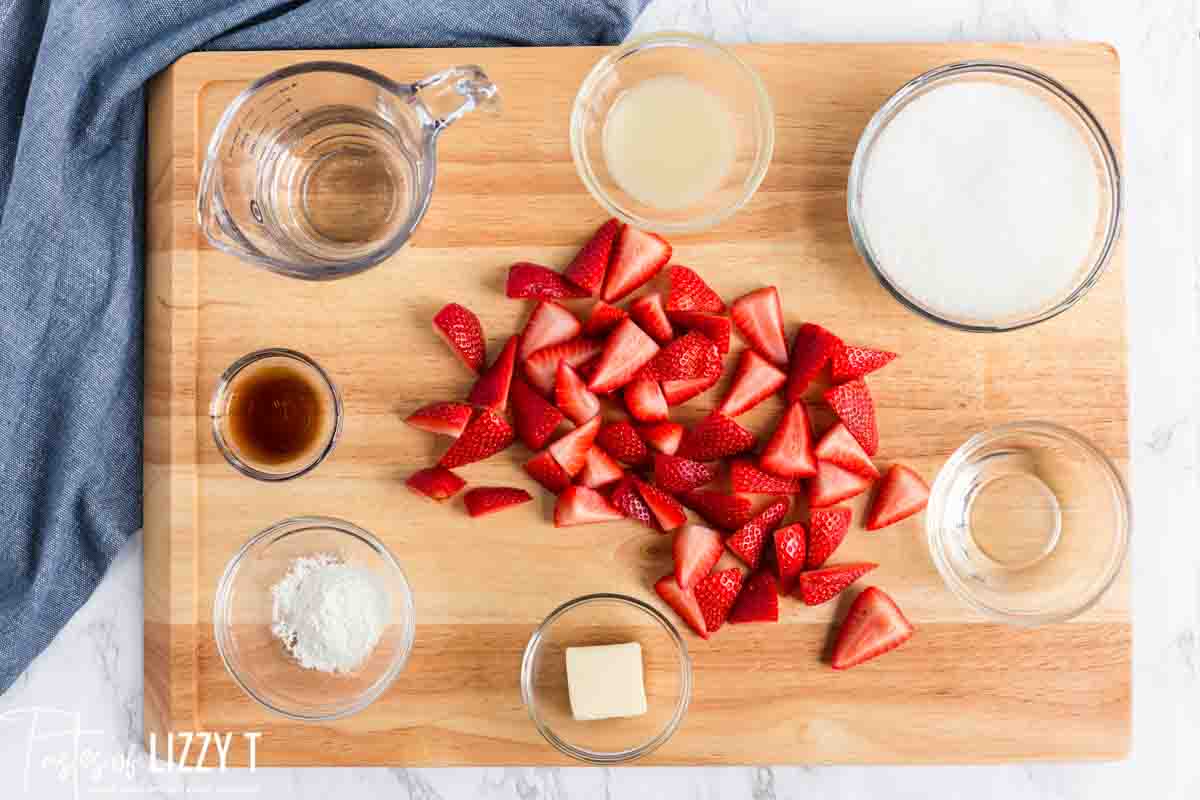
(985, 196)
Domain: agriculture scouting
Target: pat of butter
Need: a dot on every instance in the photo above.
(605, 681)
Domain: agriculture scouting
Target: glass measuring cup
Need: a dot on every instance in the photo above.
(324, 169)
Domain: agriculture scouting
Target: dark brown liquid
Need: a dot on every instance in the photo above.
(275, 415)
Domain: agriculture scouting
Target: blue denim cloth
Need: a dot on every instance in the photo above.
(72, 114)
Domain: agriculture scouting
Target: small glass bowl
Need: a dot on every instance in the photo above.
(597, 619)
(1058, 97)
(1028, 523)
(705, 63)
(246, 368)
(257, 660)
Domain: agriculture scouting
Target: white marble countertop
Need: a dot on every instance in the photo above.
(93, 671)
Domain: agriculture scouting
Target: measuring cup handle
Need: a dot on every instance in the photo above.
(453, 92)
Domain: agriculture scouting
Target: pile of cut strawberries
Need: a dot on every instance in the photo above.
(659, 351)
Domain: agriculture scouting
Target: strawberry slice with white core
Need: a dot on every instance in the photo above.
(682, 602)
(755, 381)
(789, 452)
(745, 478)
(570, 451)
(460, 329)
(747, 542)
(665, 508)
(599, 469)
(758, 600)
(484, 436)
(716, 595)
(490, 499)
(827, 528)
(645, 401)
(790, 548)
(448, 419)
(604, 318)
(546, 471)
(822, 585)
(527, 280)
(492, 387)
(715, 436)
(812, 349)
(714, 327)
(839, 447)
(542, 367)
(689, 292)
(622, 441)
(874, 626)
(662, 436)
(436, 483)
(579, 505)
(850, 362)
(854, 407)
(637, 257)
(759, 318)
(901, 494)
(677, 474)
(588, 267)
(697, 550)
(572, 397)
(626, 351)
(832, 484)
(536, 419)
(548, 324)
(648, 313)
(679, 392)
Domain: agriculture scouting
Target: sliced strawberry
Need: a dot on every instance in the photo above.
(603, 319)
(542, 367)
(587, 269)
(626, 499)
(570, 451)
(852, 403)
(791, 543)
(689, 292)
(637, 257)
(697, 549)
(755, 381)
(822, 585)
(683, 602)
(874, 626)
(662, 436)
(689, 357)
(666, 509)
(491, 389)
(747, 543)
(759, 318)
(827, 528)
(648, 313)
(546, 471)
(716, 595)
(812, 349)
(678, 392)
(677, 474)
(572, 397)
(789, 452)
(839, 447)
(460, 329)
(715, 436)
(645, 401)
(758, 601)
(548, 324)
(448, 419)
(901, 494)
(490, 499)
(484, 436)
(579, 505)
(599, 469)
(746, 478)
(436, 483)
(726, 511)
(850, 362)
(832, 484)
(536, 420)
(621, 441)
(626, 351)
(533, 281)
(715, 328)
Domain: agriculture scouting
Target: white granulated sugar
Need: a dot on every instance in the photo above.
(981, 201)
(328, 614)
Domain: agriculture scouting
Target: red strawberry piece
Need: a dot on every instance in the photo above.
(677, 474)
(812, 348)
(850, 362)
(603, 319)
(716, 595)
(683, 602)
(822, 585)
(678, 392)
(758, 601)
(548, 324)
(626, 351)
(901, 494)
(726, 511)
(461, 329)
(542, 367)
(747, 543)
(436, 483)
(697, 549)
(689, 292)
(445, 418)
(587, 269)
(648, 313)
(528, 280)
(599, 469)
(832, 484)
(715, 436)
(852, 403)
(789, 451)
(572, 397)
(746, 478)
(874, 626)
(791, 544)
(570, 451)
(491, 389)
(621, 441)
(628, 501)
(484, 436)
(839, 447)
(662, 436)
(637, 257)
(579, 505)
(689, 357)
(714, 327)
(759, 318)
(536, 420)
(827, 528)
(546, 471)
(666, 509)
(755, 381)
(645, 401)
(490, 499)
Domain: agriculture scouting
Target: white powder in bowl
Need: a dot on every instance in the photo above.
(328, 614)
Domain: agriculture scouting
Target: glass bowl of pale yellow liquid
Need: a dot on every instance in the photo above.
(672, 132)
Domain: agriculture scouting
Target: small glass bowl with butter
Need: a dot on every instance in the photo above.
(606, 679)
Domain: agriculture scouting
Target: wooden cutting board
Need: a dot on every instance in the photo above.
(964, 690)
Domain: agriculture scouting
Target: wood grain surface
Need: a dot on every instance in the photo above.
(964, 689)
